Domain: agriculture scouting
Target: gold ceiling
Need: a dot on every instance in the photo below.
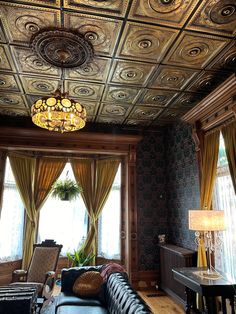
(154, 59)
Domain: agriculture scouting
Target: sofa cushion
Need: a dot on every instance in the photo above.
(109, 269)
(65, 298)
(71, 309)
(88, 284)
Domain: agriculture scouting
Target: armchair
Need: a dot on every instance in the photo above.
(41, 271)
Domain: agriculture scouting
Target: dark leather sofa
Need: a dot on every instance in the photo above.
(118, 297)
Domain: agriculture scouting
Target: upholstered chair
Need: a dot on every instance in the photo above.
(41, 271)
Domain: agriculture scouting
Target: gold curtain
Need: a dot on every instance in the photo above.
(48, 171)
(229, 134)
(101, 174)
(3, 157)
(24, 172)
(34, 179)
(209, 167)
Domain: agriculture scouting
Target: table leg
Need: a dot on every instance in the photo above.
(188, 300)
(232, 305)
(224, 309)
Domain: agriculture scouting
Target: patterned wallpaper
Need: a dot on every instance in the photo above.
(167, 186)
(182, 187)
(151, 199)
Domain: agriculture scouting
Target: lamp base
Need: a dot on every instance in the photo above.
(210, 274)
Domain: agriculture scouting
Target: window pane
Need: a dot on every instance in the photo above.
(225, 199)
(12, 219)
(64, 221)
(109, 222)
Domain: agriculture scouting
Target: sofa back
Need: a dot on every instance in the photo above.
(122, 298)
(69, 275)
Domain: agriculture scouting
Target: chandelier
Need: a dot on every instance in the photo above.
(65, 49)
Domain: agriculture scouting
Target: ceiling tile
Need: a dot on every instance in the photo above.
(167, 12)
(101, 32)
(21, 21)
(13, 101)
(91, 107)
(110, 120)
(186, 101)
(6, 62)
(168, 77)
(121, 94)
(28, 62)
(97, 71)
(194, 50)
(157, 97)
(81, 91)
(38, 85)
(226, 60)
(136, 122)
(2, 36)
(9, 82)
(206, 81)
(115, 110)
(144, 112)
(215, 16)
(130, 72)
(12, 111)
(145, 42)
(108, 7)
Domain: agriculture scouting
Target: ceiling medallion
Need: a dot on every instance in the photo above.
(64, 49)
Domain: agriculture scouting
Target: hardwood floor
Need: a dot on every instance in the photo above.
(160, 303)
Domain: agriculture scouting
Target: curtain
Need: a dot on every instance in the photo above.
(229, 134)
(101, 174)
(24, 172)
(34, 178)
(3, 156)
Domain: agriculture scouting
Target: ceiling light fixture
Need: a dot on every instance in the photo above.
(65, 49)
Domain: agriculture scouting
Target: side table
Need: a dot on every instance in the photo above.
(209, 288)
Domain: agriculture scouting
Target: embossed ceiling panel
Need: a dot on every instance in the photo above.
(96, 71)
(143, 42)
(215, 16)
(21, 22)
(167, 12)
(101, 32)
(194, 50)
(111, 7)
(153, 59)
(129, 72)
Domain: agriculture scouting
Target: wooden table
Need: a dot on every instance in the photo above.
(194, 283)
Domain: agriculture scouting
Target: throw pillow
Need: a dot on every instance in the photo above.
(88, 284)
(111, 268)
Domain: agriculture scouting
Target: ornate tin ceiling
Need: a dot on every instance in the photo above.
(153, 59)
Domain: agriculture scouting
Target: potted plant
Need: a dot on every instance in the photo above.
(79, 258)
(66, 190)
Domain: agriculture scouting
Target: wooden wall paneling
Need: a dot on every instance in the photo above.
(6, 269)
(2, 175)
(78, 143)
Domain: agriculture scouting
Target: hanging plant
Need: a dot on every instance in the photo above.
(66, 190)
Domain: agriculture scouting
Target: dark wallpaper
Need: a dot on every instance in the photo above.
(167, 186)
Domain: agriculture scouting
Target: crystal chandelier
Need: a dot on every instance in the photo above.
(65, 49)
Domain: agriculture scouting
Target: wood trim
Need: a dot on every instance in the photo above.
(216, 108)
(6, 269)
(83, 142)
(95, 143)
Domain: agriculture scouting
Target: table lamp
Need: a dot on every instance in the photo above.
(207, 222)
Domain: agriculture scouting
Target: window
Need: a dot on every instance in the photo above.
(12, 219)
(109, 222)
(225, 199)
(65, 222)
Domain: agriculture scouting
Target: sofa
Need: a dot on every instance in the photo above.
(116, 295)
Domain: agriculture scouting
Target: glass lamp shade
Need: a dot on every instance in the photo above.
(58, 113)
(206, 220)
